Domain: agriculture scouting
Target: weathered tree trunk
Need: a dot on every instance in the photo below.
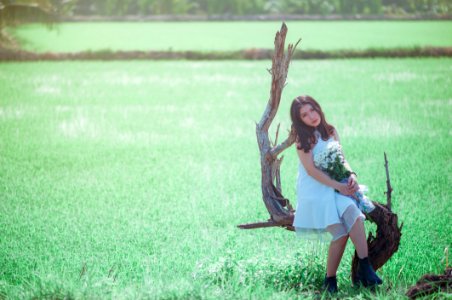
(281, 212)
(387, 240)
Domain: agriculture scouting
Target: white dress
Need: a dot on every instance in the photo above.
(322, 213)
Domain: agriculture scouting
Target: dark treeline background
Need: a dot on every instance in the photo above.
(256, 7)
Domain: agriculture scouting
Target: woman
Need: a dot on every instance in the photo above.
(325, 206)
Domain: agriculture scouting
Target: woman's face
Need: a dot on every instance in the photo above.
(310, 116)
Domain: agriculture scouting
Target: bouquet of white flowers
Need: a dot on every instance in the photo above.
(331, 161)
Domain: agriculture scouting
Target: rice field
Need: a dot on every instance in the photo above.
(126, 180)
(229, 36)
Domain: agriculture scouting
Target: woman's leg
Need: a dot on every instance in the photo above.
(358, 237)
(335, 253)
(366, 274)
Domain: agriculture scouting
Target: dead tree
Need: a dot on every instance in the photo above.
(387, 239)
(281, 212)
(388, 235)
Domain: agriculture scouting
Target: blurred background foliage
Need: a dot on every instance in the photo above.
(17, 12)
(31, 9)
(251, 7)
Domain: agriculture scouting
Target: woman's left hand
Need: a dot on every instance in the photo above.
(352, 183)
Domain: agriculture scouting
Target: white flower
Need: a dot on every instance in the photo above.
(326, 158)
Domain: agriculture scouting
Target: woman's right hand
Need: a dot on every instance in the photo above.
(345, 189)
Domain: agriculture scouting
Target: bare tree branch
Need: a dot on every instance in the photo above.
(279, 207)
(275, 151)
(388, 184)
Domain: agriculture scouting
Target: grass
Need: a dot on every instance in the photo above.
(127, 179)
(230, 36)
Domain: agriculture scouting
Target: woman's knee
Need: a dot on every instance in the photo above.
(359, 222)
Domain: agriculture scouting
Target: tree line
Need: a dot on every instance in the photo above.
(256, 7)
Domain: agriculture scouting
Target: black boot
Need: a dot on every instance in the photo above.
(330, 284)
(366, 274)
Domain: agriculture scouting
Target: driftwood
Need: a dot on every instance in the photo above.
(387, 239)
(388, 235)
(280, 209)
(431, 283)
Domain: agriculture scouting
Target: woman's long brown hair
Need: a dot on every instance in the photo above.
(305, 133)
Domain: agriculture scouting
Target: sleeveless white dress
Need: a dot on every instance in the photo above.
(322, 213)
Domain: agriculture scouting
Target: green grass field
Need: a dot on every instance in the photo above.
(126, 180)
(226, 36)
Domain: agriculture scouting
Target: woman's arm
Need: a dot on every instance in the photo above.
(308, 163)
